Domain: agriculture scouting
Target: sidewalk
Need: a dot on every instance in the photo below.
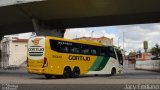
(129, 66)
(17, 70)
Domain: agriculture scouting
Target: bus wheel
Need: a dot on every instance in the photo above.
(58, 76)
(76, 72)
(113, 72)
(67, 72)
(48, 76)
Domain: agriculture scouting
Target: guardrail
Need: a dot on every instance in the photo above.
(153, 65)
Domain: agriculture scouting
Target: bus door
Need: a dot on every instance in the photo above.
(120, 60)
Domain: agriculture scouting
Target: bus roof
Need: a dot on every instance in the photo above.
(79, 41)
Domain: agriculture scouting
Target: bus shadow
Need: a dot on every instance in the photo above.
(62, 78)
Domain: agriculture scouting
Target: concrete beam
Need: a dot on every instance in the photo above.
(77, 13)
(42, 29)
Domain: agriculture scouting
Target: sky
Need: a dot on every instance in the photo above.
(134, 35)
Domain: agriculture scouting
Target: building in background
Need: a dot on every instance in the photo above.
(103, 40)
(144, 56)
(13, 51)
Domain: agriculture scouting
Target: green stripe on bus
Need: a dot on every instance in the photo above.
(96, 63)
(102, 64)
(99, 64)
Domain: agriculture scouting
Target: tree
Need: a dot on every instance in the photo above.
(132, 53)
(132, 57)
(156, 51)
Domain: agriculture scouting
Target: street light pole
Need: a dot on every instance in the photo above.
(118, 41)
(123, 40)
(92, 33)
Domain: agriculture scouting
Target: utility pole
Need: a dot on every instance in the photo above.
(123, 48)
(118, 41)
(123, 40)
(92, 34)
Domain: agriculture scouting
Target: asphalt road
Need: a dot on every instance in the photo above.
(31, 81)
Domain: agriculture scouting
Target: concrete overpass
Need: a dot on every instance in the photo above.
(54, 16)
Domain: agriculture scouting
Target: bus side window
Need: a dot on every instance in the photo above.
(120, 57)
(102, 51)
(72, 50)
(63, 48)
(54, 45)
(102, 54)
(98, 51)
(85, 49)
(66, 49)
(93, 52)
(77, 50)
(112, 52)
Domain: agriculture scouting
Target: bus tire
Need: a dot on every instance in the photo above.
(96, 75)
(48, 76)
(67, 72)
(76, 72)
(113, 72)
(58, 76)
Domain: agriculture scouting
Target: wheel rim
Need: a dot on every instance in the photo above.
(48, 76)
(66, 73)
(113, 72)
(76, 73)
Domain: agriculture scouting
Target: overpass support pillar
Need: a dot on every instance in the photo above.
(45, 30)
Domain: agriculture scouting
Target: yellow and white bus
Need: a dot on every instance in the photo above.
(51, 56)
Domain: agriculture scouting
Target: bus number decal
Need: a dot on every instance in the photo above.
(57, 56)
